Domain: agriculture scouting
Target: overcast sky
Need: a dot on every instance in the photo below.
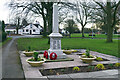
(4, 10)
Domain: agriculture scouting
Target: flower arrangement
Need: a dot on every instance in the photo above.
(88, 54)
(86, 57)
(28, 52)
(35, 57)
(36, 61)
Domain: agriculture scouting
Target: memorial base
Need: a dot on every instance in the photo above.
(60, 54)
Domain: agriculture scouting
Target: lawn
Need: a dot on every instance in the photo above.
(2, 43)
(71, 43)
(96, 35)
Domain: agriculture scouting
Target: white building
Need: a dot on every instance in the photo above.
(10, 28)
(30, 29)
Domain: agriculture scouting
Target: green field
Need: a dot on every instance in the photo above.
(99, 45)
(2, 43)
(96, 35)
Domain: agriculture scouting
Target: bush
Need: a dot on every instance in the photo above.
(99, 59)
(76, 69)
(100, 66)
(0, 36)
(3, 36)
(35, 56)
(117, 64)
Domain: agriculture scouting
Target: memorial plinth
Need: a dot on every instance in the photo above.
(55, 36)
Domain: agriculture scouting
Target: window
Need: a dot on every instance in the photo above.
(26, 30)
(30, 25)
(34, 30)
(23, 30)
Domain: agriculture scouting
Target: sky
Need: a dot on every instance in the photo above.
(4, 10)
(4, 13)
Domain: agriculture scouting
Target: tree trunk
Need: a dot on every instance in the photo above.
(109, 34)
(83, 31)
(109, 23)
(70, 35)
(18, 25)
(50, 12)
(44, 31)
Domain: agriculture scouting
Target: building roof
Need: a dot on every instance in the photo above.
(11, 26)
(34, 25)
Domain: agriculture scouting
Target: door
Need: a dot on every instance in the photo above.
(30, 32)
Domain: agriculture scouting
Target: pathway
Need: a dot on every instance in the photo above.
(11, 65)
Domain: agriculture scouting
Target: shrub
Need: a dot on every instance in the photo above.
(87, 53)
(62, 70)
(0, 36)
(4, 36)
(76, 69)
(83, 54)
(99, 59)
(110, 65)
(35, 56)
(29, 48)
(117, 65)
(41, 53)
(51, 71)
(100, 66)
(91, 67)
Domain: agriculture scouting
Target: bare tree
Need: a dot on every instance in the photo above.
(83, 14)
(109, 17)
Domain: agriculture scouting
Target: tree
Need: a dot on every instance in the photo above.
(70, 26)
(83, 14)
(0, 31)
(36, 8)
(39, 9)
(18, 25)
(24, 22)
(110, 16)
(0, 26)
(3, 26)
(4, 35)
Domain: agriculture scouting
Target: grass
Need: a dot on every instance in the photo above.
(98, 45)
(4, 42)
(96, 35)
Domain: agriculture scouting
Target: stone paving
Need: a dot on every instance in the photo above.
(33, 72)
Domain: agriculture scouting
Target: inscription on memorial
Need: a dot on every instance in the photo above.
(56, 44)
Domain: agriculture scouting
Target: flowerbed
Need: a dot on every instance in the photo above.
(79, 69)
